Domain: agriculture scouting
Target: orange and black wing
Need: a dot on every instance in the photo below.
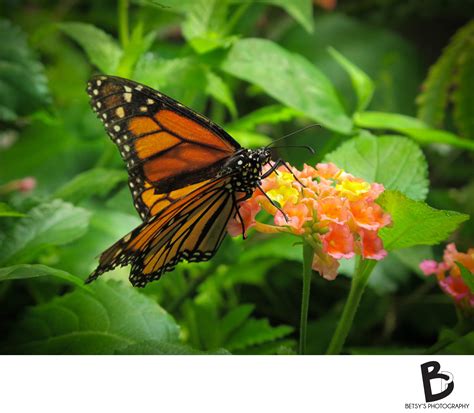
(190, 228)
(166, 146)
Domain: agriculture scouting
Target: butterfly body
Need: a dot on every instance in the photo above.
(187, 177)
(245, 169)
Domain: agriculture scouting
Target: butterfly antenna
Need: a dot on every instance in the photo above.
(293, 133)
(309, 148)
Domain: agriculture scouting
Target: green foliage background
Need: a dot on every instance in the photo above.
(389, 83)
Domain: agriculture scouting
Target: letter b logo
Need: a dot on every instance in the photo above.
(446, 378)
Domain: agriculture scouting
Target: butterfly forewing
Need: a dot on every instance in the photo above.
(165, 145)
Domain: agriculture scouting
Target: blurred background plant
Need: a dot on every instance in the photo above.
(390, 84)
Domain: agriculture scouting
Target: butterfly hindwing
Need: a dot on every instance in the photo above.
(190, 228)
(165, 145)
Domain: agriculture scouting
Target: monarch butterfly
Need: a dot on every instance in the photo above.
(186, 174)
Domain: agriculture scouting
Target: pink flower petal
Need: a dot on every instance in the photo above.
(428, 267)
(326, 266)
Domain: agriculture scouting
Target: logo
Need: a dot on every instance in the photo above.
(437, 384)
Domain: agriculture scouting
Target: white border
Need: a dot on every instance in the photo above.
(224, 383)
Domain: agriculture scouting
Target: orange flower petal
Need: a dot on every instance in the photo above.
(372, 246)
(338, 242)
(334, 209)
(369, 215)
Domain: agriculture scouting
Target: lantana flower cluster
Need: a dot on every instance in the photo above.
(332, 210)
(449, 275)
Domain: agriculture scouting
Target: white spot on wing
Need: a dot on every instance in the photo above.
(120, 112)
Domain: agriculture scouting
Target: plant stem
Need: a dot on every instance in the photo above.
(307, 273)
(359, 282)
(123, 22)
(234, 19)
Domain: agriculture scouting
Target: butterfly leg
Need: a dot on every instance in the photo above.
(273, 203)
(284, 164)
(237, 212)
(274, 169)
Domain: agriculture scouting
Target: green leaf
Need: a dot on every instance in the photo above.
(383, 120)
(284, 75)
(300, 10)
(166, 5)
(211, 41)
(268, 114)
(137, 45)
(53, 223)
(96, 181)
(426, 136)
(24, 271)
(467, 276)
(396, 162)
(106, 227)
(104, 320)
(382, 53)
(363, 85)
(255, 332)
(164, 348)
(284, 347)
(101, 49)
(463, 97)
(204, 26)
(435, 96)
(234, 319)
(23, 84)
(180, 78)
(462, 346)
(415, 223)
(412, 127)
(219, 90)
(7, 211)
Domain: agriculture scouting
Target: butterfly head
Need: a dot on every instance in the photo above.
(251, 160)
(263, 155)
